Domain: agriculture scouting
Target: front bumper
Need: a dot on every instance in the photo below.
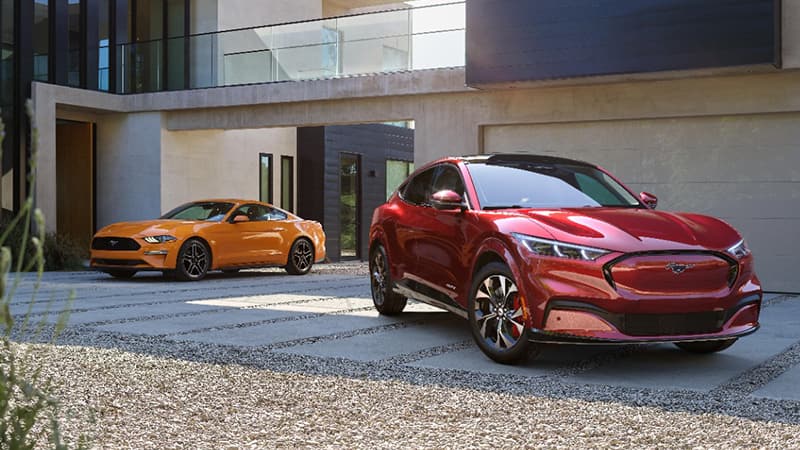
(584, 323)
(149, 257)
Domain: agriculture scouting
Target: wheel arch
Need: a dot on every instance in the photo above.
(494, 249)
(205, 242)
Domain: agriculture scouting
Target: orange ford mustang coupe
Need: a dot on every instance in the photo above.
(225, 235)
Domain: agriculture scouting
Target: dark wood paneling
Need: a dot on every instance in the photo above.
(75, 181)
(521, 40)
(310, 173)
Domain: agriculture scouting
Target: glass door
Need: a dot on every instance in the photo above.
(349, 205)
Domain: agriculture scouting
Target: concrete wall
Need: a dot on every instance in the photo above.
(220, 164)
(128, 167)
(791, 34)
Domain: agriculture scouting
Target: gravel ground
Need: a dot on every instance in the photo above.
(128, 400)
(127, 391)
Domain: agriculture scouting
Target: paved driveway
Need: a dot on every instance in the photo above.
(325, 319)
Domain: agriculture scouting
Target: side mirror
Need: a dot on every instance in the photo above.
(650, 200)
(239, 218)
(447, 199)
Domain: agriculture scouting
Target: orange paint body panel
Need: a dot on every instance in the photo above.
(260, 242)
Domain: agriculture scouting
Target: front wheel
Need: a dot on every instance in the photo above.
(496, 316)
(301, 257)
(706, 346)
(386, 301)
(194, 260)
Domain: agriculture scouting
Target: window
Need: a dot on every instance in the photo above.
(287, 183)
(418, 191)
(396, 173)
(260, 213)
(448, 178)
(204, 211)
(41, 39)
(265, 177)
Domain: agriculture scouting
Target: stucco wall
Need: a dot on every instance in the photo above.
(220, 164)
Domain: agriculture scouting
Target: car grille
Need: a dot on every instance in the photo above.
(672, 324)
(118, 262)
(671, 272)
(114, 243)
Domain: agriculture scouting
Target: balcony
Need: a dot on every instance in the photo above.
(425, 37)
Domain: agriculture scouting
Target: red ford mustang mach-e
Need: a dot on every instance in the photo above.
(538, 249)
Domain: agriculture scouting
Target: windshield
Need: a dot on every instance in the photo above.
(537, 185)
(201, 211)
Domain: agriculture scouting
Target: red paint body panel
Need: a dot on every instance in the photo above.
(634, 283)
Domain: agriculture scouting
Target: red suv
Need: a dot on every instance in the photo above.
(538, 249)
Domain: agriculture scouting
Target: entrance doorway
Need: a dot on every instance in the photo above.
(349, 205)
(75, 207)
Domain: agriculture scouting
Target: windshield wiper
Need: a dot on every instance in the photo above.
(496, 207)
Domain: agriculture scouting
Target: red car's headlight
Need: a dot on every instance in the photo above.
(546, 247)
(739, 250)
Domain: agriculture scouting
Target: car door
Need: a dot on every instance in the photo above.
(414, 201)
(245, 243)
(443, 238)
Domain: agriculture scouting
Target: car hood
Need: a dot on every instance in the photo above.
(142, 228)
(633, 229)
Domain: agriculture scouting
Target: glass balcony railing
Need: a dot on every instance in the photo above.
(408, 39)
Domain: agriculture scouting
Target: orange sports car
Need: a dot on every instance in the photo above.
(197, 237)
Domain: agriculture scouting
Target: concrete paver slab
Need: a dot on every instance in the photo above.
(274, 333)
(182, 324)
(785, 387)
(383, 345)
(133, 312)
(473, 360)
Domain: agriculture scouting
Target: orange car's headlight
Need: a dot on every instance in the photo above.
(159, 239)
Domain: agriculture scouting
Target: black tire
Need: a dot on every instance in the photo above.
(704, 347)
(123, 274)
(505, 340)
(386, 301)
(301, 257)
(194, 260)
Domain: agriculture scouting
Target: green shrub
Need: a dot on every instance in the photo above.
(61, 252)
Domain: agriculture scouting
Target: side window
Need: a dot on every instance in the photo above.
(418, 190)
(274, 214)
(448, 178)
(255, 213)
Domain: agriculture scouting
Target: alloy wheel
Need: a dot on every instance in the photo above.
(195, 260)
(498, 312)
(302, 257)
(378, 272)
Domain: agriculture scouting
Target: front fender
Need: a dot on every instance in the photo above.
(521, 269)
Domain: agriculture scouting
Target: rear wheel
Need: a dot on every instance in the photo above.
(301, 257)
(706, 346)
(386, 301)
(496, 317)
(121, 273)
(194, 260)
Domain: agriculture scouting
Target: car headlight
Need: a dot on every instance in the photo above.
(558, 249)
(739, 250)
(159, 239)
